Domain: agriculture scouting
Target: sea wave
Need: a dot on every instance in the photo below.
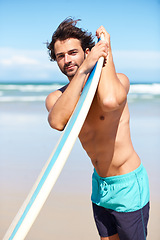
(144, 92)
(39, 92)
(23, 99)
(145, 89)
(29, 87)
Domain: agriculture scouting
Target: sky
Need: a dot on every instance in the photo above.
(25, 27)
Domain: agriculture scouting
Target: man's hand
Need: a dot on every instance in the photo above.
(99, 50)
(106, 35)
(101, 30)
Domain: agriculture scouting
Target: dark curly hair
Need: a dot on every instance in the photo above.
(67, 29)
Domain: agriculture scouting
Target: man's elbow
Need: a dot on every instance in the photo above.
(111, 103)
(56, 124)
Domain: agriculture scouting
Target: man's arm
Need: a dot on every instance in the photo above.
(61, 106)
(113, 87)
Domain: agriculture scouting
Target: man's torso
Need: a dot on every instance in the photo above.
(105, 136)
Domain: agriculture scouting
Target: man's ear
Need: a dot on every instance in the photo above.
(86, 52)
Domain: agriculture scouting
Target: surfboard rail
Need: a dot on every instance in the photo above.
(53, 167)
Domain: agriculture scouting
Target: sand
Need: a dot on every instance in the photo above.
(65, 217)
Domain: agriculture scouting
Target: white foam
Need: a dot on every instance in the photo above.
(39, 92)
(29, 87)
(23, 99)
(145, 88)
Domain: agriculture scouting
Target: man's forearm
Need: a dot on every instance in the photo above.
(111, 92)
(61, 111)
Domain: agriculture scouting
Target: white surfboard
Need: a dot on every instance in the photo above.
(47, 178)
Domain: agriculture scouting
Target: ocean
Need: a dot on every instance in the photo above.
(35, 92)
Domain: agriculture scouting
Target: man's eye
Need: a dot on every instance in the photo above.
(60, 56)
(73, 53)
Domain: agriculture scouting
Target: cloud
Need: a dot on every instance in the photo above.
(18, 60)
(16, 57)
(139, 66)
(17, 64)
(138, 59)
(24, 65)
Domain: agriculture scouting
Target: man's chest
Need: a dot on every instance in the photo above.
(99, 123)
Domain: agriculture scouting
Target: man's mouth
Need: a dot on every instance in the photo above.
(70, 67)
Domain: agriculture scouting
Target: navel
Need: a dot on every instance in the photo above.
(95, 162)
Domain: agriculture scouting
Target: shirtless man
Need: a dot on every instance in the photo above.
(120, 192)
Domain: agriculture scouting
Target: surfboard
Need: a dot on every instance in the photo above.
(53, 167)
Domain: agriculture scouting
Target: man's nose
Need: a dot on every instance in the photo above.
(67, 58)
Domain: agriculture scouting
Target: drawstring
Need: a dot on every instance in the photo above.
(103, 187)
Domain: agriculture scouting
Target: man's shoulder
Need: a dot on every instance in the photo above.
(124, 80)
(122, 77)
(53, 97)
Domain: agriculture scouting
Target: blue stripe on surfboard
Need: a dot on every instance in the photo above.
(57, 152)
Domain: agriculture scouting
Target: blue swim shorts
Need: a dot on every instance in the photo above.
(121, 204)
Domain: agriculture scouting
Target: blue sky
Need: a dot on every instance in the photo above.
(25, 26)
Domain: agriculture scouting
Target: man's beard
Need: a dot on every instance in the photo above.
(70, 72)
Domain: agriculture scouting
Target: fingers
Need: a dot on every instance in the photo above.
(101, 30)
(103, 45)
(100, 50)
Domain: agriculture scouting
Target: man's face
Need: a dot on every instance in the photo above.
(69, 56)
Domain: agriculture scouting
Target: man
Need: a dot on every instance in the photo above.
(120, 192)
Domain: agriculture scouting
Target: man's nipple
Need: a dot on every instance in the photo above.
(102, 117)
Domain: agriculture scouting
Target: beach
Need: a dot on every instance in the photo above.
(27, 142)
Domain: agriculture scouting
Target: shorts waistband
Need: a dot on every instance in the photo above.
(121, 178)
